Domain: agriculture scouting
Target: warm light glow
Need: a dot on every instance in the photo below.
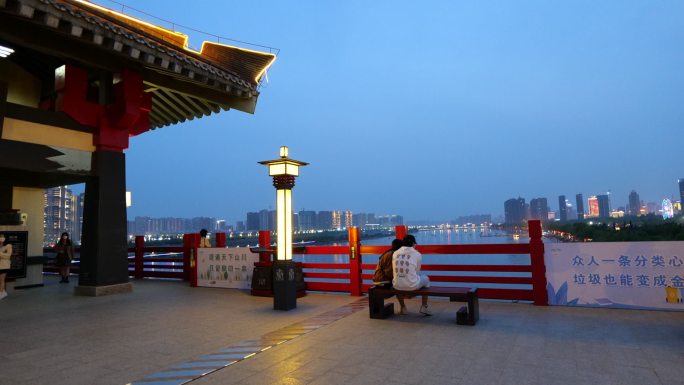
(128, 199)
(177, 36)
(283, 151)
(276, 169)
(182, 36)
(283, 168)
(284, 224)
(260, 73)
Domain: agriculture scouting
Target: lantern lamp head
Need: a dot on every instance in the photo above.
(283, 165)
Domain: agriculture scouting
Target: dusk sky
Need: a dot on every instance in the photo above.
(430, 109)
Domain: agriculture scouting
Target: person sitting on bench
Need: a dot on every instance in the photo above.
(383, 271)
(406, 265)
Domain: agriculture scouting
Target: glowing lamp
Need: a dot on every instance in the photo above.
(284, 171)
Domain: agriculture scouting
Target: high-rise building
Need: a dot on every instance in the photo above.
(363, 219)
(634, 204)
(539, 209)
(324, 220)
(240, 226)
(60, 213)
(336, 219)
(681, 191)
(562, 208)
(252, 222)
(580, 206)
(592, 202)
(603, 205)
(348, 219)
(307, 220)
(514, 211)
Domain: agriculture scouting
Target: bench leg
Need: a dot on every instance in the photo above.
(471, 314)
(376, 306)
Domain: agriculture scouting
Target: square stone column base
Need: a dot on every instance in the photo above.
(97, 291)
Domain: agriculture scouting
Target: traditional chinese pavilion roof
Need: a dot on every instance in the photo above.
(185, 84)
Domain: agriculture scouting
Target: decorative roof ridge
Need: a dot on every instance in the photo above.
(101, 19)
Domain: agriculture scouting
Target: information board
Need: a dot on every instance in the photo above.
(225, 267)
(19, 242)
(643, 275)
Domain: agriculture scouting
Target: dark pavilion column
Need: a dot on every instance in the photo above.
(104, 251)
(121, 110)
(6, 192)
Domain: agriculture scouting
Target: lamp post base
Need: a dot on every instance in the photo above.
(284, 285)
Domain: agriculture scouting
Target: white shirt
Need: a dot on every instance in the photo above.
(406, 265)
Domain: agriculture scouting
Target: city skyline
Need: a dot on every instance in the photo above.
(615, 202)
(432, 111)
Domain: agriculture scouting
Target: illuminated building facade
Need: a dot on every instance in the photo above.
(592, 202)
(336, 219)
(668, 210)
(681, 191)
(348, 219)
(61, 213)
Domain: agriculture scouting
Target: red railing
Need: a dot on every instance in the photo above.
(353, 276)
(357, 275)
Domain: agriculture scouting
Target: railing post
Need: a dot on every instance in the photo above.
(220, 239)
(539, 292)
(265, 242)
(401, 231)
(190, 245)
(355, 279)
(139, 254)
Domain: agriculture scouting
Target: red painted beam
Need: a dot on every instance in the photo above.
(327, 275)
(327, 286)
(336, 266)
(481, 279)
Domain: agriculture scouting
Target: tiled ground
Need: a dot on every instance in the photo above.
(49, 336)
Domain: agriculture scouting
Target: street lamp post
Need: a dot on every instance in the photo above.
(284, 171)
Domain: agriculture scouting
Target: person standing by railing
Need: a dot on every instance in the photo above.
(204, 238)
(5, 264)
(406, 264)
(65, 254)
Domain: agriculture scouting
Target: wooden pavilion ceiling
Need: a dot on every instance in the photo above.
(169, 106)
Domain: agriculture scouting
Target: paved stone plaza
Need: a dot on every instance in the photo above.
(50, 336)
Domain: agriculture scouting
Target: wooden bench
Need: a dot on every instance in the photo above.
(464, 316)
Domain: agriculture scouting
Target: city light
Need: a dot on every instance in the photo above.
(5, 51)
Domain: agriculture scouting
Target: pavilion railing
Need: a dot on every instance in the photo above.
(524, 282)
